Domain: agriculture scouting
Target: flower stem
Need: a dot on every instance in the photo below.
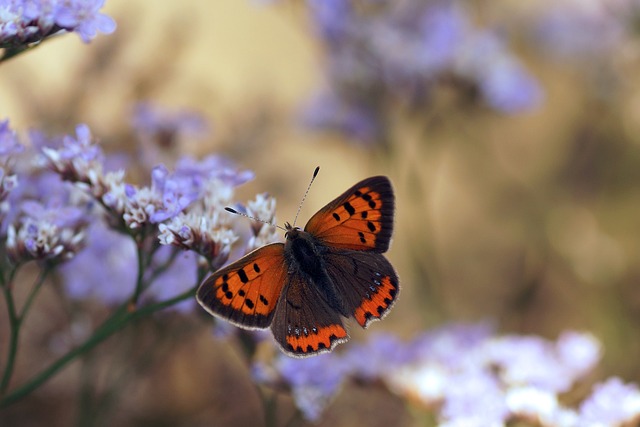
(15, 322)
(14, 327)
(118, 320)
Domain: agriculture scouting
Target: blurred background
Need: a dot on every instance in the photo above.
(513, 147)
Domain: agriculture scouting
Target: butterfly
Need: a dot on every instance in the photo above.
(303, 288)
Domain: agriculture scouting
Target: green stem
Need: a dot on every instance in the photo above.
(118, 320)
(34, 292)
(15, 322)
(14, 326)
(141, 269)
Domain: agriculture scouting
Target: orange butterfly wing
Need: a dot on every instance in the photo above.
(359, 219)
(246, 292)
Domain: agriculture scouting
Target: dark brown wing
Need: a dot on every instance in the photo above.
(366, 281)
(304, 323)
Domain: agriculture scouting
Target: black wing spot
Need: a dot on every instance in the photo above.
(225, 287)
(225, 277)
(336, 216)
(243, 276)
(366, 197)
(357, 193)
(264, 300)
(256, 267)
(372, 204)
(228, 294)
(362, 239)
(371, 226)
(364, 214)
(350, 210)
(249, 303)
(241, 293)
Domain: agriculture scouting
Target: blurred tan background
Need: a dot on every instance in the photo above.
(529, 221)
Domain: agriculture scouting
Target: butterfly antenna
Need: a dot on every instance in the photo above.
(233, 211)
(315, 173)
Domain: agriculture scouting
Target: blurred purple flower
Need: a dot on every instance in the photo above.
(105, 270)
(473, 398)
(160, 130)
(23, 22)
(84, 18)
(9, 143)
(164, 124)
(314, 381)
(613, 403)
(332, 18)
(401, 51)
(572, 30)
(368, 361)
(503, 81)
(330, 112)
(470, 376)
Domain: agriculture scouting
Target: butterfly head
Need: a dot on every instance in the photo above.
(291, 231)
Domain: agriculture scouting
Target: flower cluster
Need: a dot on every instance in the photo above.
(401, 52)
(179, 209)
(573, 29)
(23, 22)
(9, 146)
(469, 375)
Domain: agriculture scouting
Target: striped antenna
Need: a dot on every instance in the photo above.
(315, 173)
(233, 211)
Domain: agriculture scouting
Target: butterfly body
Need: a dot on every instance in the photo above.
(302, 289)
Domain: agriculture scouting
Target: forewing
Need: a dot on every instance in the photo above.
(304, 323)
(366, 281)
(359, 219)
(246, 292)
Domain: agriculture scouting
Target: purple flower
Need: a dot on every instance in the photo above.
(84, 18)
(473, 398)
(581, 30)
(177, 193)
(332, 18)
(397, 54)
(373, 359)
(503, 81)
(613, 403)
(165, 125)
(314, 381)
(76, 159)
(8, 140)
(529, 360)
(213, 167)
(23, 22)
(46, 233)
(105, 270)
(329, 111)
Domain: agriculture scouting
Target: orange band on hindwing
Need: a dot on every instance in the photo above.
(377, 302)
(312, 340)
